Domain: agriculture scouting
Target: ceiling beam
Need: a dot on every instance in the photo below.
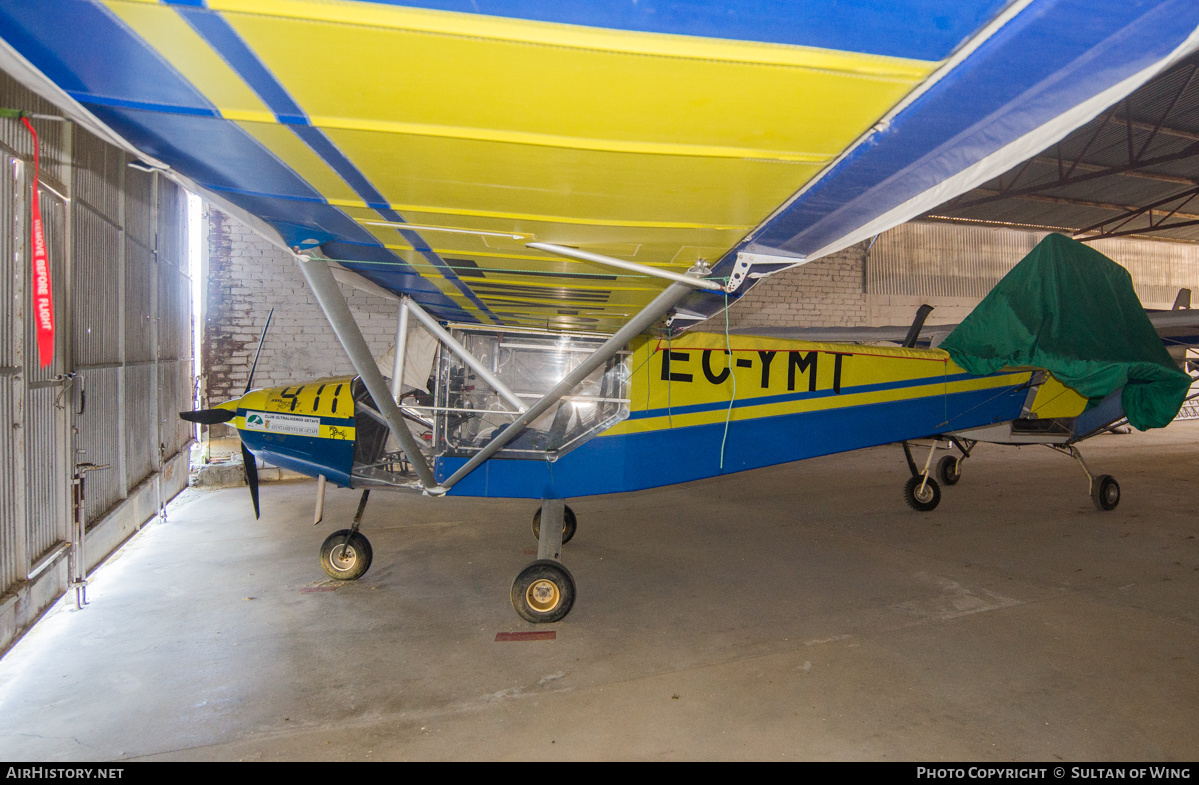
(1190, 151)
(1162, 178)
(1141, 125)
(1119, 208)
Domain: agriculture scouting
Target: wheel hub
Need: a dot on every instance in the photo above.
(924, 494)
(343, 558)
(543, 595)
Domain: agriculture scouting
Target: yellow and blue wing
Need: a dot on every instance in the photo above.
(425, 145)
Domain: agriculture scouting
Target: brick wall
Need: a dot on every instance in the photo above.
(824, 293)
(831, 292)
(248, 276)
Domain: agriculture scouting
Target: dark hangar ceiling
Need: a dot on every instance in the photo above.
(1132, 171)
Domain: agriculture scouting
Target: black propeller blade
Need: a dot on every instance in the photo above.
(208, 416)
(251, 467)
(217, 416)
(261, 340)
(247, 457)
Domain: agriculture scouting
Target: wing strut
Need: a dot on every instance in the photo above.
(452, 344)
(691, 279)
(328, 295)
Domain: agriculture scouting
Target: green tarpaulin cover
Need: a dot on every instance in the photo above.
(1071, 310)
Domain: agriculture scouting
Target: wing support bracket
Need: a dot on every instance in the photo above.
(761, 262)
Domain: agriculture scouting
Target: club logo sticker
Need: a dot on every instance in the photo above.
(290, 424)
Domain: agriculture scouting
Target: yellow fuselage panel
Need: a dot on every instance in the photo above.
(322, 402)
(691, 380)
(1055, 399)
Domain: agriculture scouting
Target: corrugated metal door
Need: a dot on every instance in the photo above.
(38, 407)
(96, 345)
(13, 557)
(47, 446)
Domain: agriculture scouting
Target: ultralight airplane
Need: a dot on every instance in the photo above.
(521, 178)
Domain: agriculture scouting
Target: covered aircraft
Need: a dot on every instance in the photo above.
(531, 173)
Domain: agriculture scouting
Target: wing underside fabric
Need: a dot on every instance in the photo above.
(424, 147)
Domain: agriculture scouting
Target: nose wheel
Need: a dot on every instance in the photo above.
(346, 554)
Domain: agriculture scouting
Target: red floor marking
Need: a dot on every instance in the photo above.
(500, 637)
(529, 551)
(317, 588)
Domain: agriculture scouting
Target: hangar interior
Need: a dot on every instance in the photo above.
(117, 234)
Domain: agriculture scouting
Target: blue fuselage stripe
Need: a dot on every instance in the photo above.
(648, 459)
(800, 396)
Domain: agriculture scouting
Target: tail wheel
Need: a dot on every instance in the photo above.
(921, 494)
(949, 469)
(346, 559)
(543, 592)
(570, 524)
(1105, 492)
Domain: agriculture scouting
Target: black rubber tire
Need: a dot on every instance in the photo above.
(543, 592)
(1105, 492)
(932, 493)
(570, 524)
(346, 561)
(949, 469)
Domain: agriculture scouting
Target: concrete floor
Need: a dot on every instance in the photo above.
(798, 612)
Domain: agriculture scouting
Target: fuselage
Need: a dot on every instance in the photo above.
(695, 410)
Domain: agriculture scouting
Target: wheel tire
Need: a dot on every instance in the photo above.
(925, 502)
(949, 469)
(570, 524)
(346, 561)
(1105, 492)
(543, 592)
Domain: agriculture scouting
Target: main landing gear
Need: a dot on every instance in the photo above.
(922, 492)
(346, 554)
(544, 591)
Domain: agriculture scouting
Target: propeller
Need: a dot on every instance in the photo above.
(251, 466)
(217, 416)
(247, 458)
